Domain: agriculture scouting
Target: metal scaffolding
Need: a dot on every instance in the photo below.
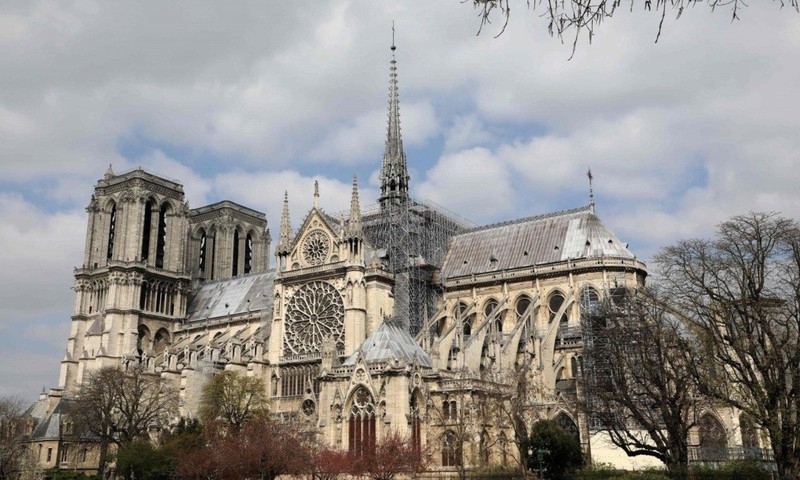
(413, 236)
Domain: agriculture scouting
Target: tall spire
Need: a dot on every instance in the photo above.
(591, 192)
(354, 228)
(285, 238)
(394, 170)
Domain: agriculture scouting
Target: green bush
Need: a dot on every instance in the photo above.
(561, 451)
(56, 474)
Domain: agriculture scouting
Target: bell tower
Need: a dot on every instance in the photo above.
(133, 285)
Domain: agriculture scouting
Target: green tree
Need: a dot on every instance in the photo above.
(142, 460)
(232, 399)
(560, 452)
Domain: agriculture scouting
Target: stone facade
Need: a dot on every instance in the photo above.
(190, 292)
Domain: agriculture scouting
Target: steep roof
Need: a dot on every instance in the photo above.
(232, 296)
(390, 341)
(556, 237)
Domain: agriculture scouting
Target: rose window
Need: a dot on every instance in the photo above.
(316, 247)
(314, 313)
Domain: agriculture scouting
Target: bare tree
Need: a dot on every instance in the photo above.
(577, 16)
(233, 399)
(394, 455)
(740, 293)
(117, 407)
(639, 378)
(14, 454)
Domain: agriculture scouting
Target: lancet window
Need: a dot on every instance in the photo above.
(451, 449)
(416, 424)
(248, 254)
(362, 423)
(202, 253)
(147, 225)
(112, 230)
(161, 240)
(235, 262)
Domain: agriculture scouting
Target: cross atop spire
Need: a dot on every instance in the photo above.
(394, 170)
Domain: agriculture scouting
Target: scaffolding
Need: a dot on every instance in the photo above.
(412, 237)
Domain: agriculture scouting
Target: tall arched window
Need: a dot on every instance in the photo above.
(416, 433)
(161, 340)
(362, 423)
(555, 303)
(235, 262)
(112, 230)
(484, 453)
(248, 254)
(161, 240)
(713, 441)
(451, 449)
(201, 260)
(568, 425)
(749, 433)
(143, 340)
(523, 303)
(147, 225)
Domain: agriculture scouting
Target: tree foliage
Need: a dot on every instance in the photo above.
(740, 294)
(232, 399)
(639, 381)
(561, 452)
(573, 17)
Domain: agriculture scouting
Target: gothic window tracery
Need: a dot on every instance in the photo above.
(161, 239)
(362, 423)
(112, 228)
(451, 449)
(554, 304)
(314, 313)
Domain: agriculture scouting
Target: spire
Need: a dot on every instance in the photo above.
(109, 172)
(591, 193)
(354, 228)
(394, 171)
(316, 194)
(285, 236)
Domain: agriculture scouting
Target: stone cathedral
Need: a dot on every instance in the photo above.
(399, 316)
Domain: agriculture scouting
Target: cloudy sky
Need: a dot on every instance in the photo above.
(244, 100)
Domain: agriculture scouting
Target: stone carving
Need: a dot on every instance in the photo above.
(314, 313)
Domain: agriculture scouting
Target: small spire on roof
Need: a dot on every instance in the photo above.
(354, 228)
(109, 172)
(591, 193)
(316, 194)
(285, 235)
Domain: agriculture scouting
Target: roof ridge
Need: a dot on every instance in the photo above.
(560, 213)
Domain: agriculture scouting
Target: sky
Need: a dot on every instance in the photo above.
(244, 100)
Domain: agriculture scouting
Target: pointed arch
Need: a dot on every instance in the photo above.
(566, 423)
(451, 449)
(144, 339)
(555, 301)
(749, 433)
(112, 229)
(713, 440)
(164, 212)
(361, 424)
(147, 228)
(161, 340)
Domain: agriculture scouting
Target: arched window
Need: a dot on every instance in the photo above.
(749, 434)
(568, 425)
(416, 434)
(554, 304)
(523, 303)
(362, 423)
(235, 262)
(590, 300)
(490, 307)
(248, 254)
(201, 261)
(161, 239)
(112, 229)
(484, 453)
(573, 365)
(713, 441)
(161, 341)
(451, 449)
(143, 341)
(147, 225)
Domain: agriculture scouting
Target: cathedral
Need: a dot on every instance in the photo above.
(399, 316)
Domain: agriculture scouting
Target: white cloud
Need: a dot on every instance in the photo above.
(473, 182)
